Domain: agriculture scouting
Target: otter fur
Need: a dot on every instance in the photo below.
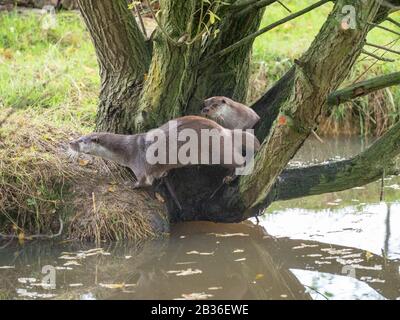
(229, 114)
(132, 150)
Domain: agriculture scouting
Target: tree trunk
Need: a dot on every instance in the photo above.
(138, 95)
(123, 58)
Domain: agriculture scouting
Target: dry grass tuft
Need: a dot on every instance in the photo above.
(39, 183)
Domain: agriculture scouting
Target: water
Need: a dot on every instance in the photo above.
(337, 246)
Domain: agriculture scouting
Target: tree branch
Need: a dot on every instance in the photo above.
(382, 48)
(319, 71)
(380, 58)
(254, 6)
(393, 21)
(363, 88)
(365, 168)
(260, 32)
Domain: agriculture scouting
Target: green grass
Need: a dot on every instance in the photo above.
(53, 71)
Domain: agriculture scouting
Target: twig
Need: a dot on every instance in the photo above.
(317, 136)
(36, 236)
(363, 88)
(383, 28)
(252, 36)
(283, 5)
(377, 57)
(140, 20)
(159, 24)
(254, 6)
(393, 21)
(382, 47)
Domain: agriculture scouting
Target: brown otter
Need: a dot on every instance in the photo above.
(230, 114)
(146, 153)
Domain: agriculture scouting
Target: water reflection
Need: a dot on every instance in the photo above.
(200, 260)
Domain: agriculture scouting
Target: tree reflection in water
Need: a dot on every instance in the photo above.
(199, 260)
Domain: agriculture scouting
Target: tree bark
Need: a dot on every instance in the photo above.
(123, 59)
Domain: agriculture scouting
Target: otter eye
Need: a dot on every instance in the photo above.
(223, 101)
(95, 139)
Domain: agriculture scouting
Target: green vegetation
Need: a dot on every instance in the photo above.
(50, 71)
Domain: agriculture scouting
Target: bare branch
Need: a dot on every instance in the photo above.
(260, 32)
(376, 56)
(384, 28)
(365, 168)
(36, 236)
(363, 88)
(382, 47)
(254, 6)
(393, 21)
(284, 6)
(140, 20)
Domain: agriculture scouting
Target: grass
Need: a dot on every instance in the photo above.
(52, 71)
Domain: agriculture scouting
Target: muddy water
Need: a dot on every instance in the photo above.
(338, 246)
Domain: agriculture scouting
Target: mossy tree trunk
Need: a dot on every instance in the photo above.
(148, 82)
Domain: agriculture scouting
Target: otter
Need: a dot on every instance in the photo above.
(137, 151)
(230, 114)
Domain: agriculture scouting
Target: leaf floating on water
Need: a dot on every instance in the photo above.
(214, 288)
(26, 280)
(128, 257)
(226, 235)
(259, 276)
(73, 285)
(196, 296)
(238, 251)
(7, 267)
(187, 272)
(25, 293)
(112, 285)
(83, 254)
(201, 253)
(240, 260)
(72, 263)
(116, 285)
(64, 268)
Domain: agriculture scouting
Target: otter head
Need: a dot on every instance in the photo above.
(213, 107)
(86, 144)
